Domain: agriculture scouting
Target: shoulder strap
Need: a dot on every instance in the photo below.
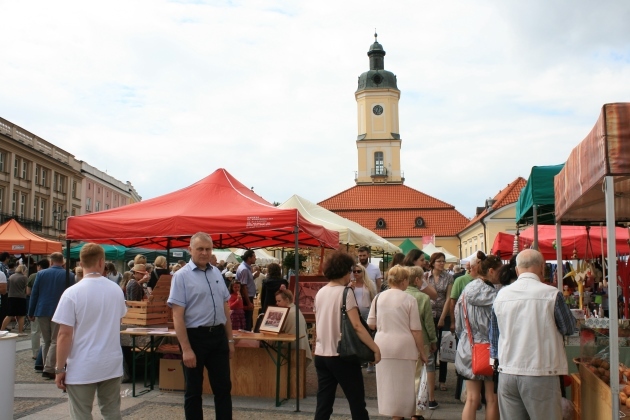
(343, 302)
(470, 336)
(376, 304)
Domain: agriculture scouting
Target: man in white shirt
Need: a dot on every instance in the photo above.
(89, 356)
(372, 270)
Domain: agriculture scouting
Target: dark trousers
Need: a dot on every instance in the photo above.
(212, 352)
(438, 331)
(4, 302)
(249, 316)
(332, 371)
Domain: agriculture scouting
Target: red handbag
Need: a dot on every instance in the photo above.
(480, 351)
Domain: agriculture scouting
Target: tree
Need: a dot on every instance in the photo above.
(289, 261)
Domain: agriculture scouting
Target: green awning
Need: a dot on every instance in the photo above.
(538, 192)
(112, 252)
(407, 245)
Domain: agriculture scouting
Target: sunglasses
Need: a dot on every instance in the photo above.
(357, 271)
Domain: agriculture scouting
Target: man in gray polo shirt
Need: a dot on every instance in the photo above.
(245, 276)
(201, 315)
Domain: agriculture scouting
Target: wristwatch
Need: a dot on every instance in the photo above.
(230, 341)
(58, 371)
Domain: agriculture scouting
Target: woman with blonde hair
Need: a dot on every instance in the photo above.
(364, 289)
(160, 269)
(125, 279)
(394, 314)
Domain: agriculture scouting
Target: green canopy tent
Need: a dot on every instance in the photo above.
(112, 252)
(407, 245)
(151, 254)
(536, 204)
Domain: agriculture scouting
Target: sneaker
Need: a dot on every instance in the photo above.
(433, 405)
(371, 369)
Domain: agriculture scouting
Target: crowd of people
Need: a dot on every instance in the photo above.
(490, 302)
(407, 311)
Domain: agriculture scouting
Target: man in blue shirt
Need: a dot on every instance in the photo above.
(245, 276)
(201, 316)
(47, 290)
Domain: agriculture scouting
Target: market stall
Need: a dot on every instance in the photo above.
(594, 186)
(219, 205)
(16, 239)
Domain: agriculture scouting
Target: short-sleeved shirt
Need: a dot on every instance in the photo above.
(245, 276)
(327, 309)
(3, 278)
(135, 291)
(373, 272)
(202, 293)
(441, 286)
(17, 286)
(93, 308)
(31, 280)
(459, 285)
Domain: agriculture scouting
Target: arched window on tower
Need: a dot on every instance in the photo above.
(379, 168)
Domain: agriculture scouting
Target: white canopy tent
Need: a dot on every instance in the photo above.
(227, 256)
(262, 256)
(350, 232)
(468, 258)
(430, 249)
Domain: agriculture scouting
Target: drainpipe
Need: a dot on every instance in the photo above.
(485, 238)
(460, 247)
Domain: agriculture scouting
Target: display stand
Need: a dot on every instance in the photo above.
(7, 379)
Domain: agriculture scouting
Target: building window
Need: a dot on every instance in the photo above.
(89, 186)
(98, 206)
(380, 224)
(106, 206)
(36, 174)
(99, 190)
(35, 207)
(42, 210)
(44, 173)
(14, 203)
(3, 157)
(22, 205)
(379, 168)
(1, 200)
(88, 203)
(16, 167)
(74, 212)
(24, 169)
(74, 189)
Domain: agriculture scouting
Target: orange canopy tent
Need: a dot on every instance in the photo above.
(16, 239)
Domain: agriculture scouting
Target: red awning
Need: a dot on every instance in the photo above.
(16, 239)
(219, 204)
(574, 237)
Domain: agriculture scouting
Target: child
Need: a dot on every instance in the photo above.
(237, 314)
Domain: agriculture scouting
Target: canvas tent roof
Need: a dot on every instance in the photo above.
(430, 249)
(604, 152)
(407, 245)
(225, 255)
(112, 252)
(219, 204)
(503, 245)
(262, 256)
(349, 232)
(16, 239)
(538, 192)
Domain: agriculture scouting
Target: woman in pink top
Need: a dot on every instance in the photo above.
(331, 369)
(237, 314)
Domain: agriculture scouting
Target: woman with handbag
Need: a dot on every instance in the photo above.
(472, 325)
(333, 370)
(395, 316)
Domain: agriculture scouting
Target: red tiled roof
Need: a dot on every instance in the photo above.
(506, 196)
(399, 206)
(389, 196)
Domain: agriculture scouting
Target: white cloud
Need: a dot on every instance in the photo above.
(163, 93)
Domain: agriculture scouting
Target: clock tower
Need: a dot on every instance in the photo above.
(378, 140)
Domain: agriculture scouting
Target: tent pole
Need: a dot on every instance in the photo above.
(67, 263)
(297, 325)
(613, 315)
(535, 212)
(559, 269)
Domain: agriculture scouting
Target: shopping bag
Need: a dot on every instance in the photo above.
(448, 347)
(423, 391)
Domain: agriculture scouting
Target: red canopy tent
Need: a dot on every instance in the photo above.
(219, 204)
(16, 239)
(587, 243)
(503, 244)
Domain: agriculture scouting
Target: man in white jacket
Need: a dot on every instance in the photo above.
(528, 321)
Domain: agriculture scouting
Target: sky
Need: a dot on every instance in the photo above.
(163, 93)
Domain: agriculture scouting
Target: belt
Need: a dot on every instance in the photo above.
(209, 328)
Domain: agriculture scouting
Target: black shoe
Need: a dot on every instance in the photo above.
(48, 375)
(433, 405)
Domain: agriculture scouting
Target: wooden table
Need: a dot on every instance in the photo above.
(272, 343)
(148, 350)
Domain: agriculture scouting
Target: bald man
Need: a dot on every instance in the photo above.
(528, 321)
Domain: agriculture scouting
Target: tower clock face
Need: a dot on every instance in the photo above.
(377, 110)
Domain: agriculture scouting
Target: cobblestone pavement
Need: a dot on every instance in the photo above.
(37, 398)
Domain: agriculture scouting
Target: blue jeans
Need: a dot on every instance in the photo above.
(212, 352)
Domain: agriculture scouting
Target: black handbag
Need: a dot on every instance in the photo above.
(350, 347)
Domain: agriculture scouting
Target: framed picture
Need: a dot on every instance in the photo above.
(309, 286)
(274, 319)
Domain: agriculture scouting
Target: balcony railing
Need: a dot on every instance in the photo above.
(30, 224)
(379, 172)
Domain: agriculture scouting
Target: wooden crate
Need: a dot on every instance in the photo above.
(146, 313)
(576, 397)
(160, 293)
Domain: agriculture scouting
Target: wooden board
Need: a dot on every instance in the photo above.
(576, 395)
(261, 381)
(596, 397)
